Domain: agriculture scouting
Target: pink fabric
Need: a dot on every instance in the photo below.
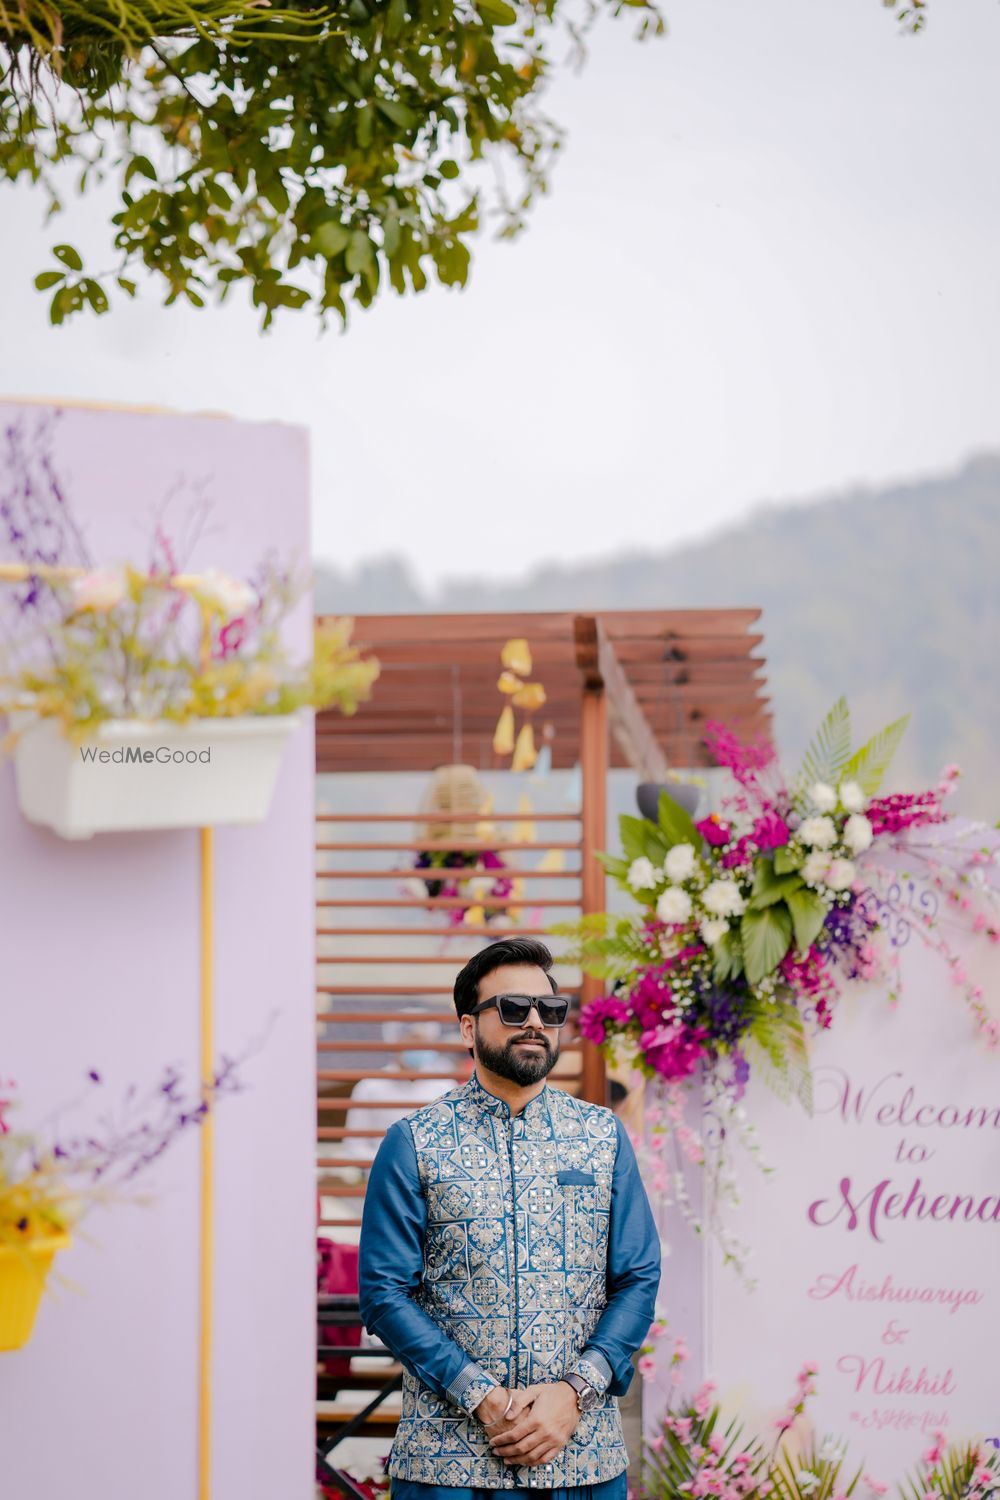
(337, 1271)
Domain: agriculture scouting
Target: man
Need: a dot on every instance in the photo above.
(509, 1260)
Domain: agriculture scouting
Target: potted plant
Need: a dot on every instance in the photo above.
(157, 700)
(49, 1181)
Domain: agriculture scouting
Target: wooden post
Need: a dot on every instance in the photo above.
(594, 775)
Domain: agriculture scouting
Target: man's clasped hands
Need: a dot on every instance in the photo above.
(529, 1425)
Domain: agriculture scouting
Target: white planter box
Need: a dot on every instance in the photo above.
(133, 774)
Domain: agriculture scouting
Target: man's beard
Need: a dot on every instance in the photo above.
(522, 1068)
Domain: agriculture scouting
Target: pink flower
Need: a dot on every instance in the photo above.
(770, 831)
(714, 831)
(606, 1010)
(744, 760)
(703, 1398)
(647, 1366)
(875, 1485)
(673, 1051)
(935, 1452)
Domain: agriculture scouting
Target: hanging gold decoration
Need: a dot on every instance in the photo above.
(503, 735)
(525, 753)
(516, 656)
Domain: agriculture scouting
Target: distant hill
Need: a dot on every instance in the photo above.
(890, 595)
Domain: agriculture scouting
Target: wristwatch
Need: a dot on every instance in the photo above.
(586, 1396)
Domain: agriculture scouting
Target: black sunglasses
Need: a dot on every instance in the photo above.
(514, 1010)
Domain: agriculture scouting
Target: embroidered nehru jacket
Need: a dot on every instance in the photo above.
(506, 1250)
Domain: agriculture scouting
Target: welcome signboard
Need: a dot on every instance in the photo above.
(874, 1240)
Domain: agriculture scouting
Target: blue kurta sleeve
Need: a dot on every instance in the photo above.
(391, 1265)
(633, 1280)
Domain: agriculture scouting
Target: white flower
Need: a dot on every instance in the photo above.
(641, 874)
(814, 868)
(100, 590)
(722, 898)
(230, 595)
(852, 798)
(679, 863)
(823, 796)
(858, 833)
(807, 1481)
(840, 875)
(674, 906)
(712, 929)
(832, 1452)
(818, 833)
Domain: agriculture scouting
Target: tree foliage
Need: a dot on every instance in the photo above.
(312, 155)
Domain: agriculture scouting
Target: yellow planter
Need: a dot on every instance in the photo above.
(23, 1269)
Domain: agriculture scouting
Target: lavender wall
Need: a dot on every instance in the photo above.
(99, 945)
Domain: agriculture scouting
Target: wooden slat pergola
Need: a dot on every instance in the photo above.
(623, 689)
(660, 675)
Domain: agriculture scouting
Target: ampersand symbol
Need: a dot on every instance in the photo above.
(894, 1335)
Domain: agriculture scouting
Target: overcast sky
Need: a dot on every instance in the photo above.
(768, 268)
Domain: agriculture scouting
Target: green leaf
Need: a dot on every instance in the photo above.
(496, 12)
(766, 935)
(614, 866)
(364, 126)
(359, 252)
(677, 825)
(448, 169)
(391, 236)
(399, 113)
(49, 278)
(769, 887)
(330, 238)
(869, 764)
(830, 750)
(808, 910)
(139, 166)
(95, 295)
(786, 859)
(128, 287)
(632, 832)
(727, 954)
(68, 256)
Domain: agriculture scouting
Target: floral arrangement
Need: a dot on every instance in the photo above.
(751, 921)
(695, 1455)
(49, 1180)
(490, 893)
(121, 643)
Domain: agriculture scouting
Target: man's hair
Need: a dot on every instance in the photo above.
(499, 955)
